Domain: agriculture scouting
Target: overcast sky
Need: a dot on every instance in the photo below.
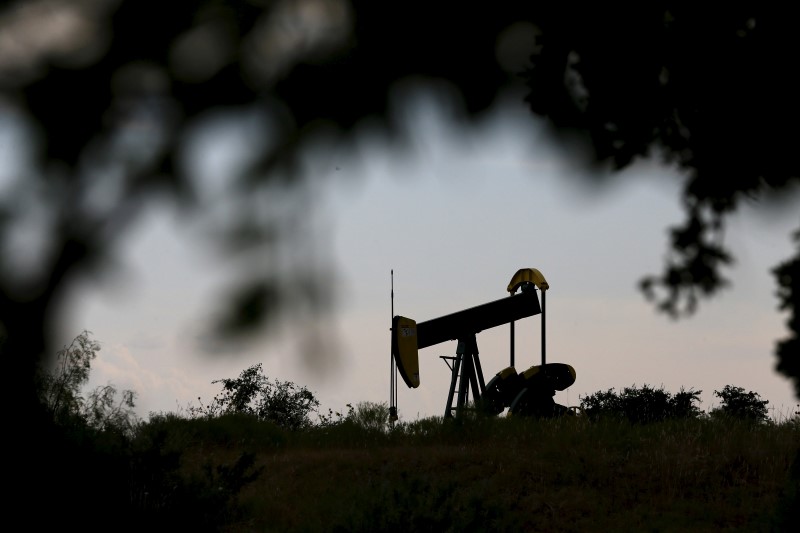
(455, 214)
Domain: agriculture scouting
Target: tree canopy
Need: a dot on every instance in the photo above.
(107, 92)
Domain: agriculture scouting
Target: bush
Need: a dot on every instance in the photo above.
(282, 402)
(370, 416)
(736, 403)
(642, 405)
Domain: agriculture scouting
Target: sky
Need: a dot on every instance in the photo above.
(453, 214)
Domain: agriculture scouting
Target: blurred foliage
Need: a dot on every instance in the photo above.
(709, 90)
(106, 96)
(788, 349)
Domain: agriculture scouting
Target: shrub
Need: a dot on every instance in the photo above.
(736, 403)
(370, 416)
(642, 405)
(282, 402)
(337, 418)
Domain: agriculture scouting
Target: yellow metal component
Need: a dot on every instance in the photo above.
(559, 375)
(405, 351)
(507, 372)
(527, 275)
(532, 371)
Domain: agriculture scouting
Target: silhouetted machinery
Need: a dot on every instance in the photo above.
(528, 393)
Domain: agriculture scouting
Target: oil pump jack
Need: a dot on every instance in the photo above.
(529, 393)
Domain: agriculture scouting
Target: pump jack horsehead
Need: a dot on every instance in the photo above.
(529, 393)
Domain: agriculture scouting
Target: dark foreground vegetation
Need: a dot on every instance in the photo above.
(261, 456)
(238, 473)
(524, 475)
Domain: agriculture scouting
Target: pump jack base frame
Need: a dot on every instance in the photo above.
(466, 375)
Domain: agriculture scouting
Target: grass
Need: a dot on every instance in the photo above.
(502, 474)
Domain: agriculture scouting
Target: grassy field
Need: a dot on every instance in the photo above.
(503, 474)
